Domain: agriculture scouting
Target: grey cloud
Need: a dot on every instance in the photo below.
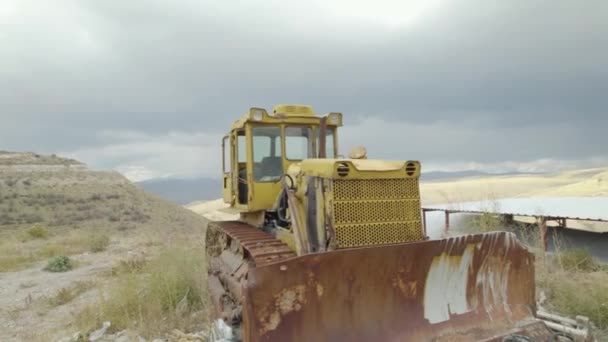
(531, 74)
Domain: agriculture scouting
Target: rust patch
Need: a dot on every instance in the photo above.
(407, 287)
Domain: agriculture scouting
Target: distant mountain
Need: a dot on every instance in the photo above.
(184, 191)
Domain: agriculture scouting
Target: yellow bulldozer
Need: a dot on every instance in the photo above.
(329, 248)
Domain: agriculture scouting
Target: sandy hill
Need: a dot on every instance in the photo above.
(586, 182)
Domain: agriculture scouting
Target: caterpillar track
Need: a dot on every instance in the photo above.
(233, 248)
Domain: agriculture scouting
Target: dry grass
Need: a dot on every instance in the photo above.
(578, 259)
(482, 223)
(98, 242)
(17, 253)
(166, 293)
(35, 232)
(67, 294)
(573, 293)
(12, 258)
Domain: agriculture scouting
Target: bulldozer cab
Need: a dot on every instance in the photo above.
(261, 146)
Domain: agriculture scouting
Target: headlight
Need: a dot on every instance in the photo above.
(334, 119)
(257, 115)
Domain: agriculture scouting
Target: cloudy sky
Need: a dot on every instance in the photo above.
(149, 87)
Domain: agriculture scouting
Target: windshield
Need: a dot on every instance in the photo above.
(298, 143)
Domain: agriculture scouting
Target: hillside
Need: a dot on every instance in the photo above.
(62, 193)
(52, 207)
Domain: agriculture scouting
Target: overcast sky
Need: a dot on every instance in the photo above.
(149, 87)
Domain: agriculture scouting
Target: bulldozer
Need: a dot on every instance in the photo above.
(334, 248)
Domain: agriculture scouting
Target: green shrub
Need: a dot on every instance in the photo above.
(59, 264)
(98, 242)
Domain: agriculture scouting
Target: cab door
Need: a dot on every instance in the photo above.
(227, 148)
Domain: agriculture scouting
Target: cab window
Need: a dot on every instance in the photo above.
(267, 161)
(226, 154)
(241, 147)
(329, 144)
(298, 143)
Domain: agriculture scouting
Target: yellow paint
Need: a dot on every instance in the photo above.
(358, 168)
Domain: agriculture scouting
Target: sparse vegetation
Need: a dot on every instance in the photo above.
(574, 293)
(132, 265)
(67, 294)
(483, 223)
(578, 259)
(11, 259)
(154, 297)
(60, 263)
(36, 232)
(98, 242)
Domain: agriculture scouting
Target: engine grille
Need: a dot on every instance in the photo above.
(376, 211)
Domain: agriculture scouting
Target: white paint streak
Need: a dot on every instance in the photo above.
(493, 277)
(445, 291)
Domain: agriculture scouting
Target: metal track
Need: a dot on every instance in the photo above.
(233, 248)
(260, 247)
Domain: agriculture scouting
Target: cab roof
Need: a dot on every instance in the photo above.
(283, 113)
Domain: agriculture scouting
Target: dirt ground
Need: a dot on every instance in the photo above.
(25, 312)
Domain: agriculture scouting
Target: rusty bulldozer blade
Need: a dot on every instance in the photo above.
(470, 288)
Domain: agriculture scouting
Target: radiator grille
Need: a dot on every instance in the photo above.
(376, 211)
(370, 189)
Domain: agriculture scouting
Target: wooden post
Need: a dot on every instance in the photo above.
(543, 232)
(508, 219)
(447, 220)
